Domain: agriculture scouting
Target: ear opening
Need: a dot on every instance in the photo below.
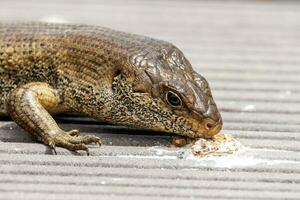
(118, 73)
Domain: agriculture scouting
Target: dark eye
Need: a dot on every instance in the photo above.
(173, 99)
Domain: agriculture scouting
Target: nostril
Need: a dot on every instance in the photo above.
(211, 127)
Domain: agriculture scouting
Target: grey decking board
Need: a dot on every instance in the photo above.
(260, 160)
(182, 184)
(173, 193)
(262, 118)
(112, 169)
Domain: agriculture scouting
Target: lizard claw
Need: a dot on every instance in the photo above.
(52, 147)
(87, 152)
(98, 143)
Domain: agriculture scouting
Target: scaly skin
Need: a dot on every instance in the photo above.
(112, 76)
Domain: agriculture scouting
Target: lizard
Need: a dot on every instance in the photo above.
(112, 76)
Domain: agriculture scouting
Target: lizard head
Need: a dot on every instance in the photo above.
(164, 93)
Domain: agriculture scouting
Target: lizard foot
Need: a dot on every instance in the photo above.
(180, 141)
(72, 140)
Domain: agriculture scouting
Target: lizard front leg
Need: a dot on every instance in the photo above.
(28, 105)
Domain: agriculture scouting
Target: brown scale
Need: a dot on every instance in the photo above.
(112, 76)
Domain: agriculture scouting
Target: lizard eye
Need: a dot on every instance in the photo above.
(173, 99)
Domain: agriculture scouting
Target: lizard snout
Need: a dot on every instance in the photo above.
(212, 127)
(212, 121)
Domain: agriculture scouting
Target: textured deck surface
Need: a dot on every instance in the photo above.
(250, 53)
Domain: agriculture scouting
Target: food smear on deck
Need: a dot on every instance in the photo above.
(219, 145)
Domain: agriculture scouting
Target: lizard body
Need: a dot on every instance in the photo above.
(109, 75)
